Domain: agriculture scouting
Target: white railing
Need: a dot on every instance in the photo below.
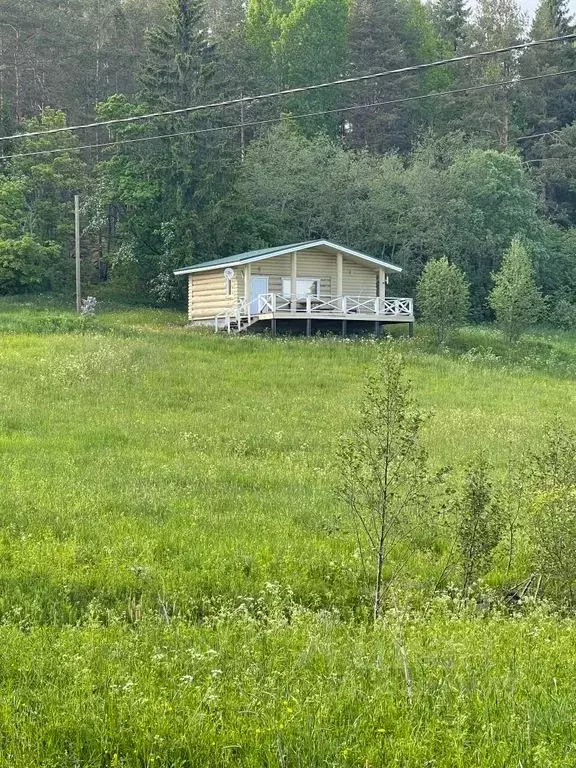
(270, 303)
(343, 305)
(397, 307)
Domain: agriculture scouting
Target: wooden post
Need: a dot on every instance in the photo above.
(77, 239)
(339, 275)
(381, 284)
(294, 282)
(377, 329)
(308, 327)
(410, 330)
(344, 327)
(247, 285)
(242, 135)
(273, 327)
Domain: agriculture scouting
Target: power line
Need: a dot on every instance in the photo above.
(291, 91)
(253, 123)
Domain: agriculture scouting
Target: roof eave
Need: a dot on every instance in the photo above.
(291, 249)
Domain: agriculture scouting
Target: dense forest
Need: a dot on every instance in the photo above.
(427, 164)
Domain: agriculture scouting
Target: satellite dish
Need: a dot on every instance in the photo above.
(229, 273)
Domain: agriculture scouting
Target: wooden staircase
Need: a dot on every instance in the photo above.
(234, 323)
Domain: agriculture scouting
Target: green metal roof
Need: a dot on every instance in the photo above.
(264, 253)
(240, 257)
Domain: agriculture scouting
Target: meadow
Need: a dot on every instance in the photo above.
(178, 582)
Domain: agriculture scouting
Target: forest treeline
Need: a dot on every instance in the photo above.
(424, 177)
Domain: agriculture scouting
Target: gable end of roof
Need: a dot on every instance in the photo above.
(269, 253)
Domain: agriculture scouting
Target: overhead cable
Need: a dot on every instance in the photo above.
(296, 90)
(253, 123)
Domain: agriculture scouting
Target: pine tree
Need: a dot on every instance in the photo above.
(551, 103)
(498, 23)
(388, 34)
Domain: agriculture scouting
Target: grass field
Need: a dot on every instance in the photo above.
(178, 587)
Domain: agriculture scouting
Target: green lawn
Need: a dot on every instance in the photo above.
(178, 587)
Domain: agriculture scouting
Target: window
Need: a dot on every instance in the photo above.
(304, 287)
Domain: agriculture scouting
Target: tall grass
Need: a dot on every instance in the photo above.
(178, 586)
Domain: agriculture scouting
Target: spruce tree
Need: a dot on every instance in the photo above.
(451, 20)
(179, 57)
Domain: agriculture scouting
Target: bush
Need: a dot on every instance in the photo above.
(564, 314)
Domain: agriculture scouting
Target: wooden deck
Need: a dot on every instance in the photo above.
(344, 309)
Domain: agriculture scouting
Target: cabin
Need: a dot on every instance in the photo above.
(311, 286)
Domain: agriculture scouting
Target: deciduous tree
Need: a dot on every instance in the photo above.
(382, 467)
(443, 296)
(516, 300)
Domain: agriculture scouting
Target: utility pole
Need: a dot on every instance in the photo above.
(78, 285)
(242, 136)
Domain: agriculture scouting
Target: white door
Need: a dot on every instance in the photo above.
(258, 288)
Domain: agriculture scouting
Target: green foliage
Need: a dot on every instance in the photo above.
(564, 314)
(159, 211)
(443, 296)
(282, 197)
(27, 265)
(554, 527)
(553, 510)
(382, 469)
(36, 210)
(515, 298)
(451, 19)
(289, 40)
(178, 57)
(479, 524)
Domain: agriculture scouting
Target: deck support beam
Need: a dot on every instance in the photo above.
(308, 327)
(344, 327)
(273, 328)
(410, 330)
(377, 328)
(294, 283)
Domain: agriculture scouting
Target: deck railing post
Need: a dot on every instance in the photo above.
(308, 304)
(344, 305)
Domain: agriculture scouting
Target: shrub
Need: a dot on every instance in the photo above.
(564, 314)
(479, 524)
